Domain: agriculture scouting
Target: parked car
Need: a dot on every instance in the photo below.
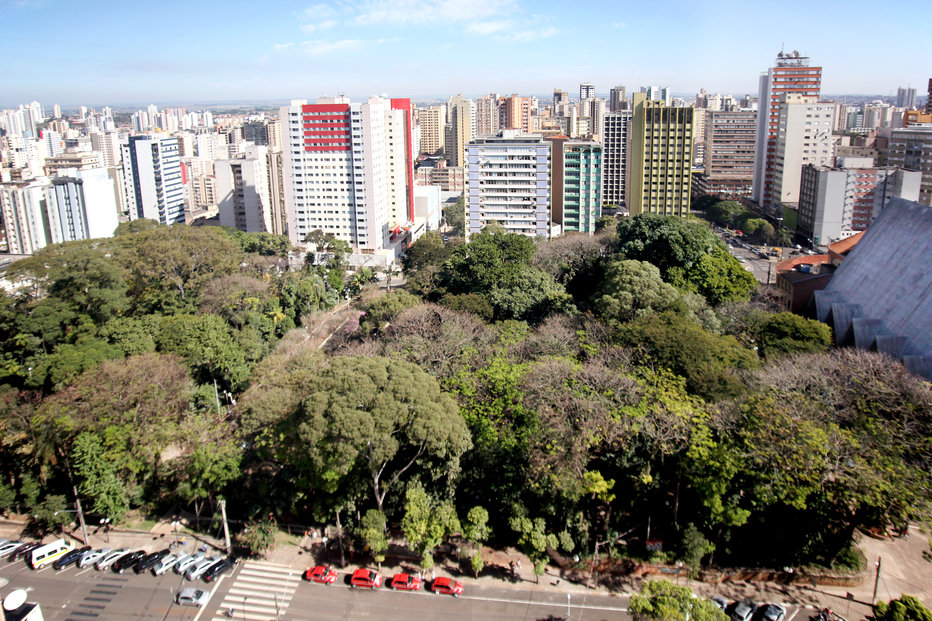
(71, 558)
(110, 558)
(322, 574)
(741, 611)
(23, 550)
(128, 561)
(167, 563)
(92, 557)
(446, 586)
(197, 570)
(185, 564)
(770, 612)
(719, 601)
(150, 560)
(406, 582)
(9, 547)
(217, 569)
(192, 597)
(366, 579)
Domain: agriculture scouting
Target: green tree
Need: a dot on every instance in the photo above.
(455, 216)
(476, 531)
(534, 540)
(473, 303)
(384, 309)
(429, 249)
(259, 535)
(694, 547)
(717, 276)
(426, 522)
(372, 532)
(665, 241)
(98, 478)
(724, 213)
(786, 333)
(528, 294)
(139, 225)
(207, 345)
(54, 371)
(633, 288)
(661, 600)
(489, 260)
(906, 608)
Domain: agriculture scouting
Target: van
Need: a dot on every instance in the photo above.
(49, 553)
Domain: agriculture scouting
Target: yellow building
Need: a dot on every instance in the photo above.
(660, 158)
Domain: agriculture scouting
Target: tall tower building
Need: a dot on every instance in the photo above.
(615, 158)
(399, 132)
(661, 158)
(575, 184)
(487, 117)
(243, 193)
(560, 97)
(929, 98)
(586, 91)
(432, 121)
(516, 113)
(22, 205)
(617, 100)
(461, 128)
(804, 136)
(508, 181)
(658, 93)
(791, 74)
(154, 179)
(729, 154)
(906, 97)
(81, 204)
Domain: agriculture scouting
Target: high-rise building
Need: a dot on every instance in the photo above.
(586, 91)
(108, 145)
(929, 98)
(508, 182)
(516, 112)
(906, 97)
(243, 193)
(81, 204)
(560, 97)
(804, 136)
(617, 100)
(728, 160)
(660, 161)
(154, 179)
(22, 205)
(460, 129)
(432, 121)
(399, 128)
(791, 74)
(575, 184)
(275, 166)
(658, 93)
(594, 109)
(338, 167)
(911, 149)
(835, 203)
(615, 158)
(487, 116)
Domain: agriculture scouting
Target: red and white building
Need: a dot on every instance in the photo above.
(348, 170)
(792, 74)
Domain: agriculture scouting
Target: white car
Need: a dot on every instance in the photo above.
(183, 565)
(93, 556)
(192, 597)
(167, 563)
(9, 546)
(194, 572)
(108, 559)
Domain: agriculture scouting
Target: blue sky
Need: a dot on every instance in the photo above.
(84, 51)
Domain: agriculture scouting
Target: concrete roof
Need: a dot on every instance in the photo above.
(887, 277)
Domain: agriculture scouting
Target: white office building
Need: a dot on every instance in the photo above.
(153, 178)
(243, 191)
(804, 136)
(615, 158)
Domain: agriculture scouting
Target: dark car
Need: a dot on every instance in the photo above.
(127, 561)
(150, 560)
(23, 550)
(217, 569)
(770, 612)
(71, 558)
(741, 611)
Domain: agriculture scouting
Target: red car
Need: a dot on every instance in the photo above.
(445, 586)
(322, 574)
(406, 582)
(365, 578)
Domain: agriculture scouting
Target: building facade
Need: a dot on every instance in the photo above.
(617, 100)
(804, 136)
(508, 182)
(911, 149)
(615, 158)
(791, 74)
(460, 129)
(154, 179)
(432, 121)
(575, 184)
(660, 158)
(728, 159)
(243, 199)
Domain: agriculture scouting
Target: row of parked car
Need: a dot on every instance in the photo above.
(364, 578)
(748, 610)
(62, 554)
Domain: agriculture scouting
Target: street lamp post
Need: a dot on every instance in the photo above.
(105, 524)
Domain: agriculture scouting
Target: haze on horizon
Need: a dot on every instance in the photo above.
(110, 53)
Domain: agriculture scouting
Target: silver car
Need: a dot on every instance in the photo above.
(182, 566)
(192, 597)
(92, 557)
(194, 572)
(109, 559)
(167, 563)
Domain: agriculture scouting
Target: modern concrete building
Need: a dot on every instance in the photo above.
(508, 182)
(835, 203)
(22, 205)
(586, 91)
(80, 160)
(658, 93)
(487, 115)
(242, 188)
(432, 121)
(515, 112)
(575, 184)
(791, 74)
(617, 100)
(449, 178)
(728, 160)
(911, 149)
(460, 129)
(154, 179)
(660, 158)
(906, 97)
(81, 204)
(804, 136)
(615, 158)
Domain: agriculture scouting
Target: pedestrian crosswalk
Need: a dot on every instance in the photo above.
(260, 592)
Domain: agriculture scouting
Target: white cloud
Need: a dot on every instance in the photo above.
(526, 36)
(322, 48)
(619, 25)
(318, 11)
(282, 46)
(487, 27)
(434, 12)
(324, 25)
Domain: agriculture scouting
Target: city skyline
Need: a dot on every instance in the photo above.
(122, 54)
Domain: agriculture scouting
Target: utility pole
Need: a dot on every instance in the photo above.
(226, 527)
(876, 582)
(216, 396)
(77, 503)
